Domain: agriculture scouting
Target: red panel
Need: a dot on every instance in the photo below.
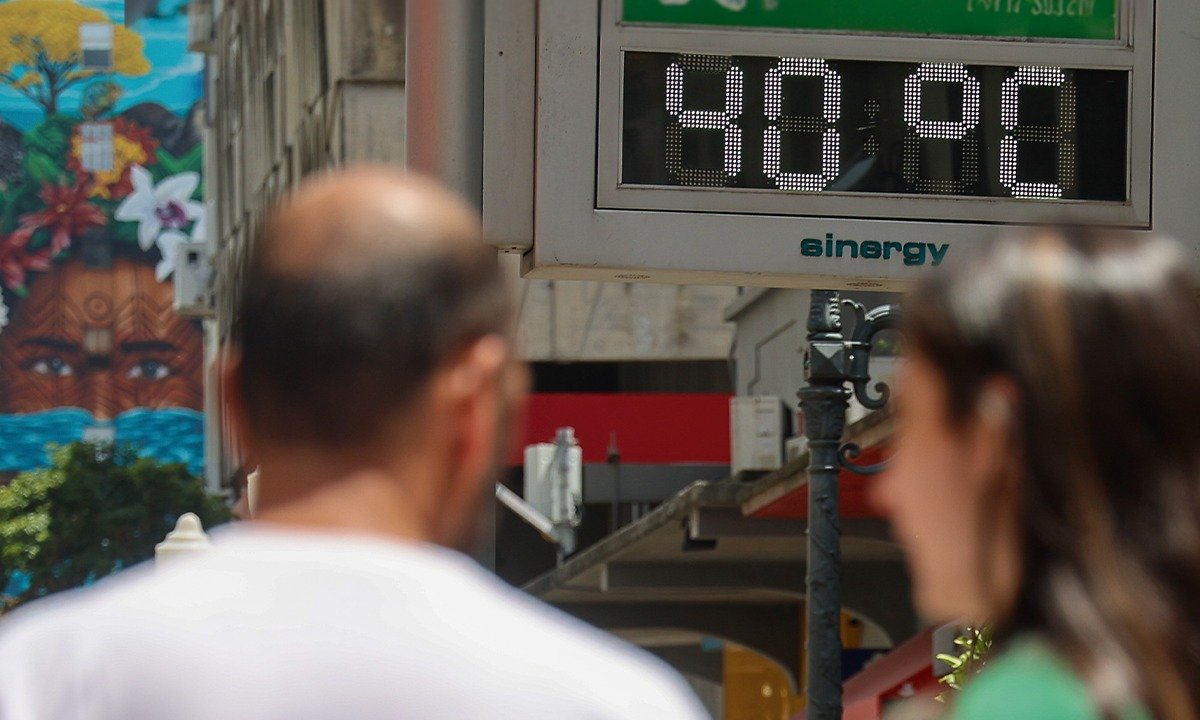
(651, 427)
(853, 493)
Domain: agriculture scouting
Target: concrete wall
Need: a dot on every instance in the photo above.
(576, 321)
(770, 337)
(295, 86)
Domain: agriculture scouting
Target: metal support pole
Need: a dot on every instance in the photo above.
(444, 92)
(527, 512)
(565, 511)
(831, 362)
(824, 401)
(443, 86)
(614, 462)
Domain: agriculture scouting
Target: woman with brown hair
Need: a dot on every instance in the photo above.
(1047, 472)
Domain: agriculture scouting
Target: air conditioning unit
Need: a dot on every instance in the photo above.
(193, 273)
(758, 427)
(96, 46)
(546, 489)
(202, 35)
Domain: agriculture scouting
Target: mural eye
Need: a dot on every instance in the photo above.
(53, 365)
(149, 370)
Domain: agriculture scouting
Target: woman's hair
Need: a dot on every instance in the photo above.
(1100, 332)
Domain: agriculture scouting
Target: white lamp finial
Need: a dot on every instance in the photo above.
(187, 537)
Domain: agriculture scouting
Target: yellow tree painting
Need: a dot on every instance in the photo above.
(43, 55)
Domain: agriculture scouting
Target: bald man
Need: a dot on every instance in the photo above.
(373, 382)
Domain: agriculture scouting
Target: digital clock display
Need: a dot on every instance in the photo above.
(815, 125)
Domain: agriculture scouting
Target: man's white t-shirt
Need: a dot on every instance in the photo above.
(284, 625)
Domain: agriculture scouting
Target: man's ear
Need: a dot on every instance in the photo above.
(479, 366)
(232, 401)
(477, 386)
(469, 397)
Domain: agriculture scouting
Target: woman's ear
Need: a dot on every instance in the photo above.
(996, 459)
(995, 406)
(994, 430)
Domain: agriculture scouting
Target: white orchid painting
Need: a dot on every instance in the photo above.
(161, 212)
(155, 208)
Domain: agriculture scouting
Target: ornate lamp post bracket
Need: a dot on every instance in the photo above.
(866, 327)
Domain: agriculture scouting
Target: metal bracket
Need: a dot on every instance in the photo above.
(867, 325)
(846, 455)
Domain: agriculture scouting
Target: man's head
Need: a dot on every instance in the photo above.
(373, 335)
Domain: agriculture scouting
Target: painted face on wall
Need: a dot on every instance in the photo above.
(102, 339)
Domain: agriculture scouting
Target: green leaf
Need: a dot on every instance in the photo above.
(165, 165)
(52, 136)
(168, 165)
(125, 232)
(24, 200)
(42, 168)
(192, 160)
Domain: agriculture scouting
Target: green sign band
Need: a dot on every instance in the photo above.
(1054, 19)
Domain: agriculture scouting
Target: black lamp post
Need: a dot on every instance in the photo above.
(830, 363)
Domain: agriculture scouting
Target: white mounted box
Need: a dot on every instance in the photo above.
(541, 476)
(758, 428)
(193, 274)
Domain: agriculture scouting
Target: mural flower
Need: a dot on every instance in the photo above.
(168, 246)
(166, 206)
(67, 214)
(16, 259)
(133, 145)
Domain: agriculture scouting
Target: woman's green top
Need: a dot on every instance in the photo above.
(1028, 681)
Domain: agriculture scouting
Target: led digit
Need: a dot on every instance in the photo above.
(724, 119)
(954, 130)
(831, 106)
(818, 125)
(1010, 96)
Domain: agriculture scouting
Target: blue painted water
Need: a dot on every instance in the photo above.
(167, 435)
(175, 79)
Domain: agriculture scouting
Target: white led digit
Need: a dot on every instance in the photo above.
(831, 105)
(958, 130)
(1010, 95)
(724, 119)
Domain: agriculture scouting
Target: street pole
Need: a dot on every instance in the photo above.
(824, 401)
(443, 115)
(830, 362)
(444, 93)
(614, 463)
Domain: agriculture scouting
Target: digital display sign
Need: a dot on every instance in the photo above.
(815, 125)
(1060, 19)
(814, 143)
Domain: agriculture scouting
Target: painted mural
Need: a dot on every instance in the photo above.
(100, 180)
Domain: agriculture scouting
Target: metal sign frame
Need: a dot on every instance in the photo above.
(617, 38)
(554, 146)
